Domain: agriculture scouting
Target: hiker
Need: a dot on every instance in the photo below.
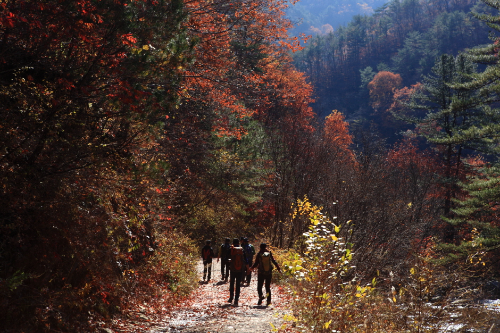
(243, 274)
(224, 255)
(207, 253)
(249, 252)
(239, 265)
(265, 261)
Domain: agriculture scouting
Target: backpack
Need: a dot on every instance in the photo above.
(237, 260)
(265, 263)
(249, 251)
(206, 253)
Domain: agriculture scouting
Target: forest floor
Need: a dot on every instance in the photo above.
(207, 311)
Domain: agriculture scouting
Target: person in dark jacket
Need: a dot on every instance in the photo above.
(239, 264)
(207, 253)
(224, 255)
(264, 260)
(249, 252)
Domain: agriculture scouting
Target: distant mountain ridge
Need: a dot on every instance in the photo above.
(321, 16)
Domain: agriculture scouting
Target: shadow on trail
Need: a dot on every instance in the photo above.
(261, 307)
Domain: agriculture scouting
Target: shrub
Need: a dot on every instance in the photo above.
(326, 297)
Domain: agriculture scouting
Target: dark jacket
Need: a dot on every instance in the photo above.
(207, 249)
(249, 251)
(225, 251)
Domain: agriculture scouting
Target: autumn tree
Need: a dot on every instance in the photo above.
(289, 122)
(335, 162)
(326, 160)
(402, 98)
(84, 84)
(129, 124)
(382, 89)
(241, 74)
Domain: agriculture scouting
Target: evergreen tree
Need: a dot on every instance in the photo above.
(411, 59)
(481, 91)
(477, 217)
(442, 125)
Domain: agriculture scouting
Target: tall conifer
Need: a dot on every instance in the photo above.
(477, 215)
(439, 123)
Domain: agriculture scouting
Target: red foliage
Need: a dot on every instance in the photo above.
(81, 83)
(236, 65)
(88, 176)
(406, 155)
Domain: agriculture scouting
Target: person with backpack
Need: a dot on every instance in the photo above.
(264, 260)
(207, 253)
(249, 252)
(239, 265)
(225, 256)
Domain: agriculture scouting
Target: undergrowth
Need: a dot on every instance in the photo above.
(330, 296)
(160, 279)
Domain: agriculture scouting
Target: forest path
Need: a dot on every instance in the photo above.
(208, 310)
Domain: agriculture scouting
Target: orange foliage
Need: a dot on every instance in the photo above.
(402, 96)
(336, 130)
(285, 96)
(336, 134)
(382, 89)
(231, 82)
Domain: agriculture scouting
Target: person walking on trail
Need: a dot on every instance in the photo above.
(249, 252)
(225, 257)
(264, 260)
(239, 264)
(243, 274)
(207, 253)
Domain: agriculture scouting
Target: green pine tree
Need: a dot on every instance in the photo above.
(441, 124)
(480, 92)
(476, 215)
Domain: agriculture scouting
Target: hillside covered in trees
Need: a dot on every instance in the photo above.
(323, 16)
(402, 37)
(132, 131)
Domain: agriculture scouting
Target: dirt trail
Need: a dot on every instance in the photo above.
(210, 312)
